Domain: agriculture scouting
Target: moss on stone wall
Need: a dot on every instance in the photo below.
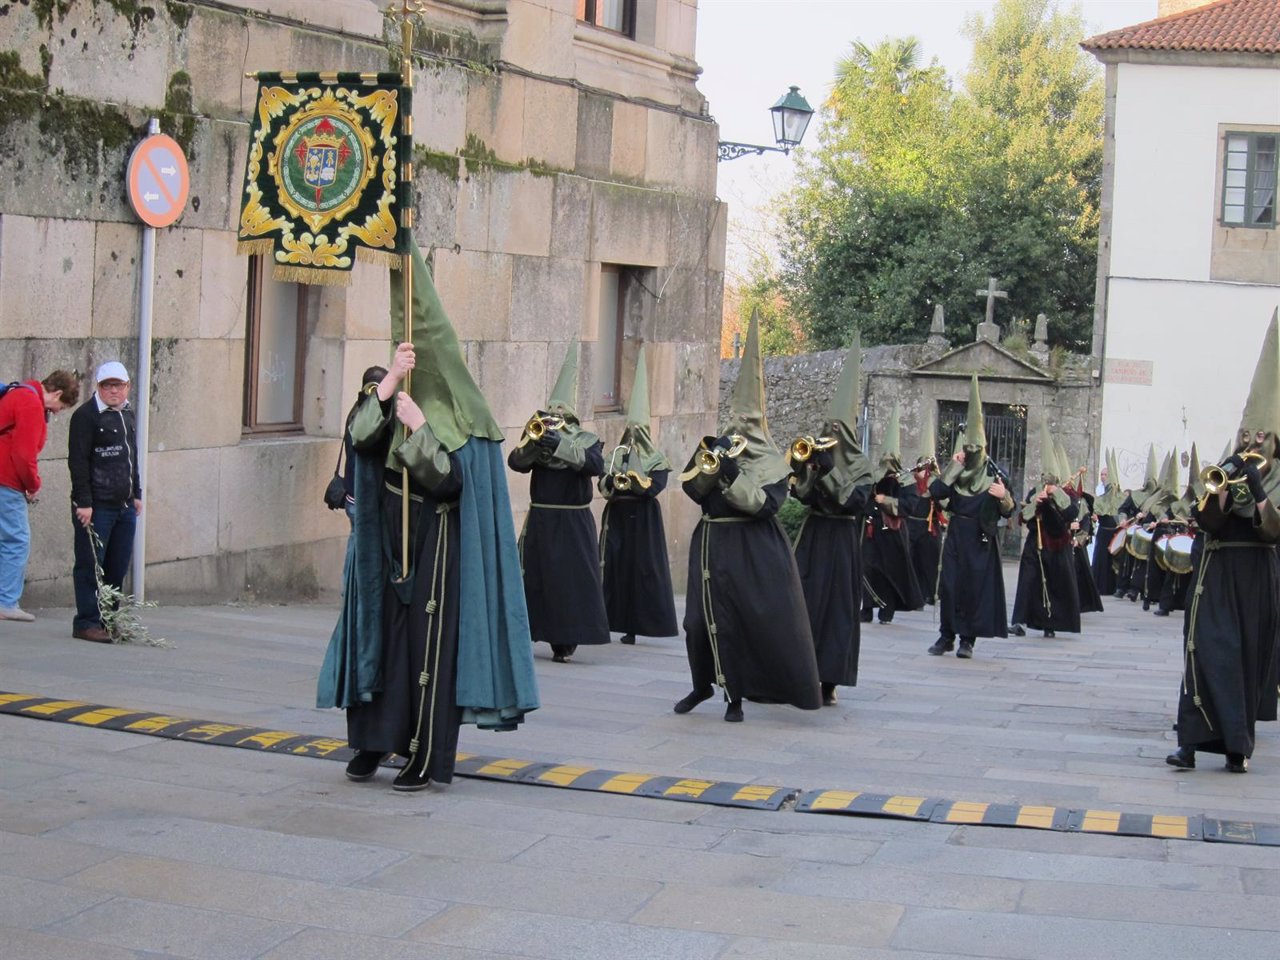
(177, 119)
(442, 163)
(179, 12)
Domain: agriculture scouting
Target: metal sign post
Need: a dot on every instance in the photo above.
(158, 184)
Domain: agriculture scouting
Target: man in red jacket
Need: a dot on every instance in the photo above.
(25, 409)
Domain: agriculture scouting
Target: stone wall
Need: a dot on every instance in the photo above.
(543, 147)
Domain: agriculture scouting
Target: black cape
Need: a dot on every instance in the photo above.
(743, 565)
(924, 533)
(633, 562)
(1048, 597)
(971, 596)
(829, 559)
(887, 570)
(560, 552)
(1230, 660)
(1104, 574)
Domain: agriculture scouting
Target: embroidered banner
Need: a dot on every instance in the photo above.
(323, 185)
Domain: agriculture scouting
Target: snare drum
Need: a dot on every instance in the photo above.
(1177, 553)
(1117, 541)
(1139, 543)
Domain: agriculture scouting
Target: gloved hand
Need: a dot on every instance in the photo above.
(729, 469)
(1233, 464)
(1254, 479)
(823, 461)
(723, 442)
(549, 440)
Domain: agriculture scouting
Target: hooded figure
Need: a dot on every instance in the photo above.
(419, 650)
(834, 483)
(633, 541)
(1082, 532)
(1104, 510)
(1130, 570)
(1176, 549)
(971, 589)
(559, 550)
(746, 628)
(1157, 524)
(924, 517)
(1230, 666)
(888, 576)
(1048, 596)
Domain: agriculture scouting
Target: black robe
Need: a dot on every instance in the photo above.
(633, 562)
(762, 641)
(887, 571)
(1173, 595)
(1048, 597)
(1230, 657)
(829, 559)
(1128, 570)
(559, 550)
(1090, 601)
(1104, 575)
(415, 635)
(971, 592)
(924, 534)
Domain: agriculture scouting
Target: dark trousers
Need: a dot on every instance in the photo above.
(115, 526)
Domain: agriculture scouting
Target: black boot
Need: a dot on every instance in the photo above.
(560, 653)
(1146, 605)
(1018, 630)
(866, 615)
(1161, 612)
(364, 765)
(966, 648)
(1184, 758)
(1049, 633)
(828, 694)
(412, 777)
(1237, 763)
(629, 639)
(733, 711)
(942, 645)
(692, 700)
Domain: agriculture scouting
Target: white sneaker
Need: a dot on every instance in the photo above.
(15, 613)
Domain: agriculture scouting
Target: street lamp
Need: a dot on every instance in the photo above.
(790, 121)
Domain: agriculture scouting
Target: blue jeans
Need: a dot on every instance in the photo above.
(115, 526)
(15, 544)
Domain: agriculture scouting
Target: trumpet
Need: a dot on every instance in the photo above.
(540, 423)
(623, 482)
(802, 448)
(1218, 477)
(929, 464)
(707, 461)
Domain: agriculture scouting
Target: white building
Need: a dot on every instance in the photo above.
(1189, 252)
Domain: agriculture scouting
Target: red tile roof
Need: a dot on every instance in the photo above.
(1234, 26)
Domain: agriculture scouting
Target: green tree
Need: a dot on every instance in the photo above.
(761, 290)
(918, 192)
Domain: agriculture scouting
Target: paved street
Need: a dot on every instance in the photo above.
(115, 845)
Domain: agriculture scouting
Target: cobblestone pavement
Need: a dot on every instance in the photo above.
(115, 845)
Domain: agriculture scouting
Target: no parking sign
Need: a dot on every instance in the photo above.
(158, 180)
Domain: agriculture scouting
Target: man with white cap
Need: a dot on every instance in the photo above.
(106, 494)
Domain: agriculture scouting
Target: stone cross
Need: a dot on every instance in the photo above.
(1042, 328)
(991, 293)
(939, 325)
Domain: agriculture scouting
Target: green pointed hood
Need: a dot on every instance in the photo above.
(890, 460)
(564, 395)
(761, 460)
(1150, 482)
(1194, 484)
(1262, 408)
(1066, 473)
(440, 383)
(641, 454)
(1050, 470)
(842, 418)
(974, 477)
(1111, 498)
(928, 446)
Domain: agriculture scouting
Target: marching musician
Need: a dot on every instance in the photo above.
(1082, 530)
(1182, 531)
(559, 550)
(1158, 526)
(634, 568)
(1047, 596)
(1129, 571)
(833, 480)
(925, 518)
(971, 590)
(1106, 502)
(1229, 664)
(746, 628)
(889, 577)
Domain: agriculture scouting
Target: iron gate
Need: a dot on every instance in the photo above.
(1006, 428)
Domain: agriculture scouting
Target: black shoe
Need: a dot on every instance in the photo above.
(1146, 605)
(692, 700)
(1237, 763)
(1132, 596)
(966, 649)
(1160, 613)
(1018, 630)
(561, 654)
(1119, 594)
(733, 711)
(1050, 633)
(1184, 758)
(364, 765)
(629, 639)
(866, 615)
(828, 694)
(942, 645)
(412, 777)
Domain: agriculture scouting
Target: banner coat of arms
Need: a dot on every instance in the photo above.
(323, 185)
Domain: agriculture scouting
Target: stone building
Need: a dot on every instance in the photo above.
(565, 177)
(1018, 385)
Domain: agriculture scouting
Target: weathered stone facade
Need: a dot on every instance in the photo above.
(544, 148)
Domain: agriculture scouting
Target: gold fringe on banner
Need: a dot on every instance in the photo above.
(382, 258)
(327, 278)
(255, 248)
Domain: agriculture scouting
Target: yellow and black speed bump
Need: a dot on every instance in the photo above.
(717, 793)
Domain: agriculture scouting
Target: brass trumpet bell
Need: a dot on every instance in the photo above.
(802, 448)
(539, 424)
(1216, 478)
(707, 460)
(623, 482)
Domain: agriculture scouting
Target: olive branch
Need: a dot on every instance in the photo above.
(118, 609)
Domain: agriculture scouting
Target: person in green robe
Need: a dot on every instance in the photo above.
(423, 647)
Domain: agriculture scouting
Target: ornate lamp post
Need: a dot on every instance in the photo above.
(790, 121)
